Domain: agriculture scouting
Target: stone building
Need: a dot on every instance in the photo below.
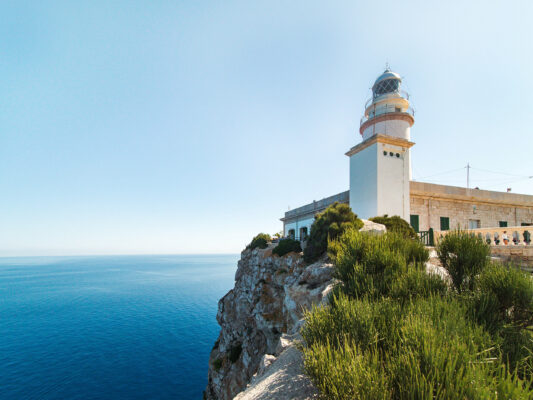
(381, 180)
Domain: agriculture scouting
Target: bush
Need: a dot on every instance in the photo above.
(368, 265)
(328, 225)
(260, 241)
(286, 246)
(235, 352)
(417, 283)
(390, 330)
(396, 224)
(509, 291)
(464, 256)
(217, 364)
(346, 374)
(503, 303)
(425, 349)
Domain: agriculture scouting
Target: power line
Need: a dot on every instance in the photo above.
(443, 173)
(502, 173)
(509, 182)
(468, 166)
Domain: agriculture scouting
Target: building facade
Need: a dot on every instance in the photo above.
(447, 207)
(381, 181)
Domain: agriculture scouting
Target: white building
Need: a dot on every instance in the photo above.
(380, 177)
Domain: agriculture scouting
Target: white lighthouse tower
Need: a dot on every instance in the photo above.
(380, 166)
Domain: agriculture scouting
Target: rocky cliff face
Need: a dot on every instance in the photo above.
(267, 301)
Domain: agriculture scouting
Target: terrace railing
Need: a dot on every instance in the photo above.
(516, 235)
(427, 237)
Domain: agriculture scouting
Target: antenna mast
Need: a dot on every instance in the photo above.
(468, 175)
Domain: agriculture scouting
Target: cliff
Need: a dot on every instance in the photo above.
(260, 319)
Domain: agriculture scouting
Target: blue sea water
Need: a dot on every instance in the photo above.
(121, 327)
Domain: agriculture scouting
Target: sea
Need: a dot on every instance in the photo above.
(109, 327)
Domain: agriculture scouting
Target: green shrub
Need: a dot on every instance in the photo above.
(503, 303)
(417, 283)
(365, 321)
(390, 330)
(464, 256)
(328, 225)
(217, 364)
(425, 349)
(235, 352)
(396, 224)
(509, 292)
(346, 374)
(368, 265)
(286, 246)
(260, 241)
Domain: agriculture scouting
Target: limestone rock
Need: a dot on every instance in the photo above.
(283, 380)
(266, 304)
(373, 227)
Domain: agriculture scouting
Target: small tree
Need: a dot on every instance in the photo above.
(286, 246)
(396, 224)
(506, 294)
(261, 240)
(329, 224)
(464, 256)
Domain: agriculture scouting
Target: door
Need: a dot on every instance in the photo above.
(415, 222)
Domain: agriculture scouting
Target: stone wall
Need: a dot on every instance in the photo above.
(521, 255)
(430, 202)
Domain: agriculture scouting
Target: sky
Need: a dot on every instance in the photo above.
(131, 127)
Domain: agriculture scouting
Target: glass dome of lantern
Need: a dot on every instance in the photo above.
(387, 83)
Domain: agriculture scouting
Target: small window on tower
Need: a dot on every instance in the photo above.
(391, 153)
(384, 153)
(398, 109)
(397, 155)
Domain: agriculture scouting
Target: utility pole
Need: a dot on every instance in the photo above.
(468, 175)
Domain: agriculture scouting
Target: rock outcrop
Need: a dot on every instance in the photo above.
(260, 319)
(282, 378)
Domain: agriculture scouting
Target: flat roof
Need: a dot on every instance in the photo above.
(317, 206)
(424, 189)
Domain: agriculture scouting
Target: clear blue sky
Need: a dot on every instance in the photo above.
(187, 127)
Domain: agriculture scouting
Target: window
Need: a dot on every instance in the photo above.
(415, 222)
(526, 224)
(502, 224)
(303, 233)
(387, 86)
(291, 233)
(398, 109)
(444, 223)
(474, 224)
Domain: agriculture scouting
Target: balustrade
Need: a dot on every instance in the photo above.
(516, 235)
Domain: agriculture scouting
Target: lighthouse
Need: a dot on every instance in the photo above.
(380, 166)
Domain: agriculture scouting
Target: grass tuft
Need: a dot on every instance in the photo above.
(391, 331)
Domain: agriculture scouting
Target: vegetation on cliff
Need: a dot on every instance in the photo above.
(392, 331)
(329, 225)
(261, 241)
(286, 246)
(396, 224)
